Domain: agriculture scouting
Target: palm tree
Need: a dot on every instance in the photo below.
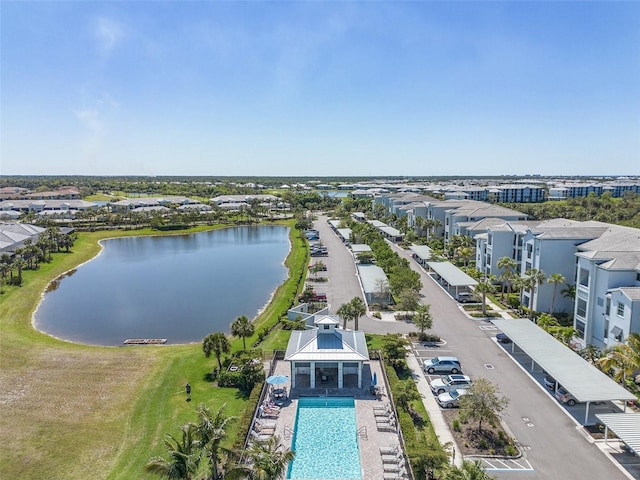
(218, 343)
(266, 461)
(533, 277)
(213, 430)
(623, 359)
(555, 279)
(242, 327)
(346, 312)
(484, 287)
(184, 455)
(508, 267)
(358, 309)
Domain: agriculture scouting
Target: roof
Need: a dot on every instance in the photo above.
(345, 233)
(339, 345)
(370, 276)
(452, 274)
(394, 232)
(626, 426)
(422, 251)
(632, 293)
(360, 247)
(575, 374)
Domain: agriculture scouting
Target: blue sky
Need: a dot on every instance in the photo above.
(320, 88)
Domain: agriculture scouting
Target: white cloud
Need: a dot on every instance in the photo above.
(108, 33)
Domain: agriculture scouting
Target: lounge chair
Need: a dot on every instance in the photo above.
(386, 426)
(390, 449)
(260, 437)
(393, 458)
(384, 406)
(397, 468)
(264, 430)
(266, 423)
(382, 412)
(395, 475)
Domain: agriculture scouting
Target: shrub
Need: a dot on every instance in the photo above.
(244, 421)
(456, 425)
(429, 337)
(511, 451)
(377, 315)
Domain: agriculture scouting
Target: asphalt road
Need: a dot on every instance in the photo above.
(554, 446)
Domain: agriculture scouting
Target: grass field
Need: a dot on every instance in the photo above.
(70, 411)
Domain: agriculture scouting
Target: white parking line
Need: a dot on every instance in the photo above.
(496, 464)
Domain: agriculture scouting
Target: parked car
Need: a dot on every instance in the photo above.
(451, 399)
(502, 338)
(549, 382)
(565, 397)
(442, 365)
(450, 382)
(465, 297)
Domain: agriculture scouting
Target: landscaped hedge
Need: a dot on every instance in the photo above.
(244, 422)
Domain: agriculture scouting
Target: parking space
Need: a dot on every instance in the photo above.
(504, 465)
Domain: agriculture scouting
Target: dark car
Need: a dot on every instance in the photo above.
(502, 338)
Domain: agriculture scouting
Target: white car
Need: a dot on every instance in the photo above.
(450, 382)
(451, 399)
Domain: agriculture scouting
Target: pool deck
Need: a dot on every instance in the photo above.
(370, 437)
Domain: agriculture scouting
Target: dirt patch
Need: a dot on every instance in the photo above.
(492, 440)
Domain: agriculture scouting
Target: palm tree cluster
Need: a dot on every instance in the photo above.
(198, 441)
(31, 254)
(623, 360)
(352, 310)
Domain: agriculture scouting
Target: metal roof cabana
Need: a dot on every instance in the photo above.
(584, 381)
(452, 274)
(625, 425)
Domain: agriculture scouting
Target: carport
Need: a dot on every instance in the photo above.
(421, 253)
(584, 381)
(452, 275)
(626, 426)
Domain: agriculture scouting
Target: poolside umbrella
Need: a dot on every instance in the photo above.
(374, 382)
(277, 379)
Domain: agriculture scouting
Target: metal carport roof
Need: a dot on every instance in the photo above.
(452, 274)
(625, 425)
(422, 251)
(584, 381)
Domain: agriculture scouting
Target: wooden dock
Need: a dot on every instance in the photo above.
(145, 341)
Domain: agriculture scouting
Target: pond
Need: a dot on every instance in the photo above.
(178, 287)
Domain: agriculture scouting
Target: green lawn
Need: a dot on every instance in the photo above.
(70, 411)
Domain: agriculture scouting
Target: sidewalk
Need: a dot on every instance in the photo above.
(433, 409)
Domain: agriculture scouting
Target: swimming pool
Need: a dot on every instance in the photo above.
(325, 439)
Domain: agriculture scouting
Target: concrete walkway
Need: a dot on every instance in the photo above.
(433, 409)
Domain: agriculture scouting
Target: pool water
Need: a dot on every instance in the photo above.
(325, 440)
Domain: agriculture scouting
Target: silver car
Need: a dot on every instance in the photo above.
(451, 399)
(449, 382)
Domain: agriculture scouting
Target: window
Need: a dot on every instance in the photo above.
(580, 326)
(620, 309)
(581, 311)
(600, 301)
(607, 308)
(584, 277)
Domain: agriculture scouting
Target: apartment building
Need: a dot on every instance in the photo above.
(516, 194)
(608, 287)
(550, 247)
